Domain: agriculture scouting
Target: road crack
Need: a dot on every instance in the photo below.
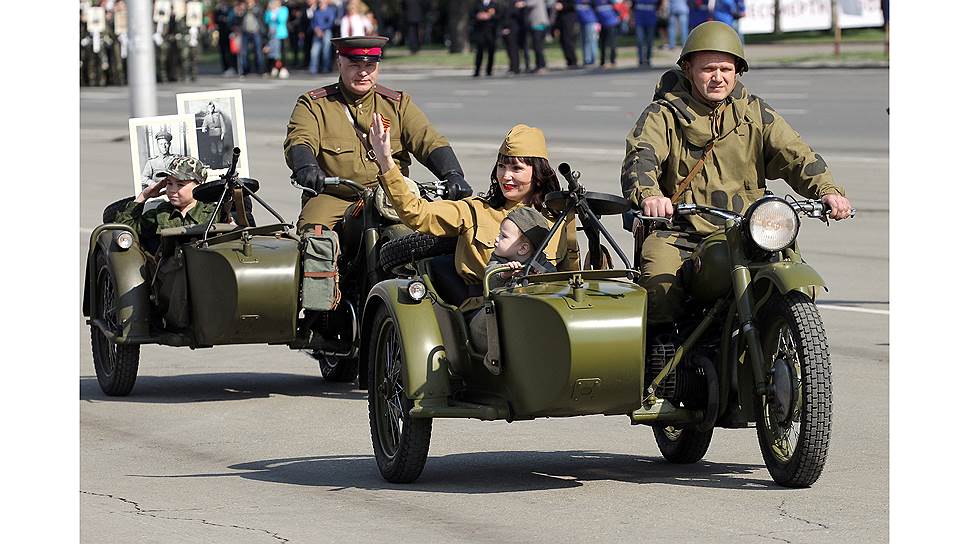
(784, 513)
(150, 513)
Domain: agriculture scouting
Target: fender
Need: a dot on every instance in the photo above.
(423, 347)
(131, 287)
(788, 276)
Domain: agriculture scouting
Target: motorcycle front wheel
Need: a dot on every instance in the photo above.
(400, 441)
(793, 419)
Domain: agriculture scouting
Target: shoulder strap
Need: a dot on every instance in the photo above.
(323, 92)
(364, 139)
(388, 93)
(706, 152)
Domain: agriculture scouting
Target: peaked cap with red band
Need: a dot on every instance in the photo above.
(361, 48)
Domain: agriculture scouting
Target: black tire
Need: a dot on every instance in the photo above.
(413, 247)
(116, 365)
(400, 442)
(794, 438)
(337, 369)
(682, 446)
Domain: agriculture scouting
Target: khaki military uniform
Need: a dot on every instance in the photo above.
(751, 143)
(319, 121)
(158, 163)
(475, 224)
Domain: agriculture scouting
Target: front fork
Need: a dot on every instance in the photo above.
(742, 293)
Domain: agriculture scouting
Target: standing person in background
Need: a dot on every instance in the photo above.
(277, 19)
(324, 18)
(355, 22)
(297, 34)
(510, 29)
(565, 21)
(520, 11)
(484, 18)
(645, 23)
(223, 13)
(729, 12)
(589, 30)
(678, 21)
(698, 13)
(307, 28)
(538, 24)
(609, 22)
(251, 26)
(413, 15)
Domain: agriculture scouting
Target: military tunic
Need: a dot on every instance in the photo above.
(751, 143)
(475, 224)
(320, 122)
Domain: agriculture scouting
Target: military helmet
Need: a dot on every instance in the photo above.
(715, 36)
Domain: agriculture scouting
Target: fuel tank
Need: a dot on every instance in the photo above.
(244, 295)
(708, 276)
(573, 350)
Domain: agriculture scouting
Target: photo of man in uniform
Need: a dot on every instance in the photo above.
(213, 128)
(160, 162)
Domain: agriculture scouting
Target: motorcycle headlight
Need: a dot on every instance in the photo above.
(772, 224)
(417, 290)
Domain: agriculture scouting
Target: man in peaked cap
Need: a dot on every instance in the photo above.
(159, 162)
(705, 139)
(327, 136)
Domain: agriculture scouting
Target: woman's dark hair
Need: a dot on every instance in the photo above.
(543, 181)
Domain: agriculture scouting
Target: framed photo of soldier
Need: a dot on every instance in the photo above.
(95, 20)
(162, 11)
(155, 142)
(219, 126)
(194, 14)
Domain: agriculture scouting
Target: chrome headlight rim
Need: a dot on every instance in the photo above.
(750, 222)
(123, 239)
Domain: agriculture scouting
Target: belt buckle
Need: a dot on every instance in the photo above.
(370, 154)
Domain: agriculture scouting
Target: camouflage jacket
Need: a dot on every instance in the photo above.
(753, 143)
(164, 216)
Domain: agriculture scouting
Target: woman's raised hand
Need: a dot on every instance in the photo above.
(380, 141)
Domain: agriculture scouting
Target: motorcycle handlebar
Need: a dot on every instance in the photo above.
(329, 181)
(810, 208)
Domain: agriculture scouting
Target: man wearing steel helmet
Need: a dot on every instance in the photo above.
(706, 139)
(327, 133)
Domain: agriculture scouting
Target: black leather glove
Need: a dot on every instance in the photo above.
(443, 163)
(305, 169)
(457, 187)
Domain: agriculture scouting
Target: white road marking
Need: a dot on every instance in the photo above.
(614, 94)
(784, 96)
(445, 105)
(852, 309)
(595, 107)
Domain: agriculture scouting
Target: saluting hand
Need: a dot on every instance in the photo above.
(156, 189)
(380, 142)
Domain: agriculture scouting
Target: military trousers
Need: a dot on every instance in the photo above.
(663, 253)
(326, 210)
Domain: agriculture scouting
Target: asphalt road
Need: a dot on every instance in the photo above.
(247, 444)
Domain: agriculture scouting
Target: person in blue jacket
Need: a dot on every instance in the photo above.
(678, 21)
(609, 21)
(645, 25)
(729, 12)
(589, 31)
(698, 13)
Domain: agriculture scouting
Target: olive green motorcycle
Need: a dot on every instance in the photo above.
(232, 282)
(561, 344)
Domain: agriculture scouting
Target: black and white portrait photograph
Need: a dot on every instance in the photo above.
(219, 126)
(155, 142)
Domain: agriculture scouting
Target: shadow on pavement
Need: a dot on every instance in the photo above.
(500, 472)
(222, 386)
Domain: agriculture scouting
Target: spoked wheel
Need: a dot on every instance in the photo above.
(400, 442)
(682, 446)
(793, 420)
(116, 365)
(336, 369)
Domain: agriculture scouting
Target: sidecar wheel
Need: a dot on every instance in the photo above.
(116, 365)
(682, 446)
(793, 421)
(400, 442)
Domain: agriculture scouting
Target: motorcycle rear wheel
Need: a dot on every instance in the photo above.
(793, 420)
(682, 446)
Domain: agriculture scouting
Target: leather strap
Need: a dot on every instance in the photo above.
(240, 208)
(319, 274)
(684, 184)
(370, 154)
